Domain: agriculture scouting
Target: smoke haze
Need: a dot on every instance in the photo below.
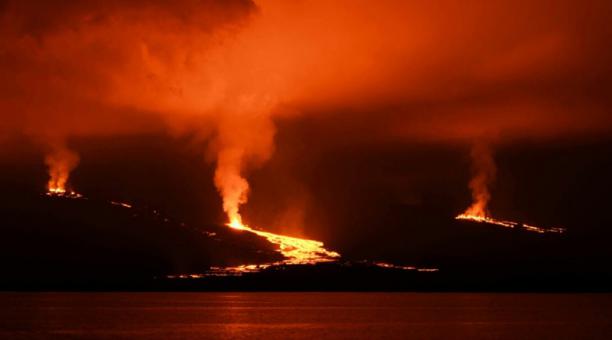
(226, 72)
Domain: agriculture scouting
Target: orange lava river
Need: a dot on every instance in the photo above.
(295, 250)
(509, 224)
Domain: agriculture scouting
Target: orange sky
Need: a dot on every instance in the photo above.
(463, 70)
(226, 71)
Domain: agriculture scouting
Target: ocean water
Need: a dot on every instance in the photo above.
(304, 316)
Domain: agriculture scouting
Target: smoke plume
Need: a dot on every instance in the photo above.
(242, 141)
(391, 71)
(60, 161)
(484, 170)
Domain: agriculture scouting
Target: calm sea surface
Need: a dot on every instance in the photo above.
(304, 316)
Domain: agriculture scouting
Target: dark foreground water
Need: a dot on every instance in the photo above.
(305, 316)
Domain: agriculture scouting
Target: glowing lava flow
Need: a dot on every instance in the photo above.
(508, 224)
(61, 192)
(295, 250)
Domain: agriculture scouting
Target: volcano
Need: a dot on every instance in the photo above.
(77, 242)
(509, 224)
(70, 239)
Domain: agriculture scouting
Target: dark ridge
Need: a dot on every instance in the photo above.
(68, 241)
(57, 243)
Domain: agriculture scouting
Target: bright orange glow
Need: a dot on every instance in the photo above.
(121, 204)
(231, 185)
(482, 218)
(509, 224)
(249, 138)
(393, 266)
(236, 222)
(60, 162)
(57, 182)
(64, 193)
(295, 250)
(52, 188)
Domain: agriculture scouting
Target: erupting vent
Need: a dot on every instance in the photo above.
(509, 224)
(63, 193)
(295, 250)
